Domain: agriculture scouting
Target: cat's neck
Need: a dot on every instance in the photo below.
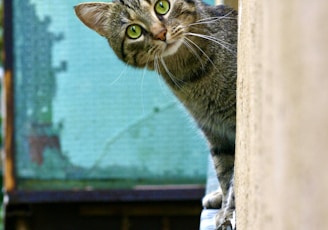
(185, 67)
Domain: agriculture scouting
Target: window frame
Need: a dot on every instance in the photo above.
(15, 195)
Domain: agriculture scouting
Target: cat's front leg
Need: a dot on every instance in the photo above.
(224, 167)
(225, 219)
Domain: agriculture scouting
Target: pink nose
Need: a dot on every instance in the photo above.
(161, 35)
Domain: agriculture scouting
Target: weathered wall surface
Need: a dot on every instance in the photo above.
(282, 140)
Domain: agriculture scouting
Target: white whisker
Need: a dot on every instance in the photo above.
(218, 18)
(212, 19)
(156, 65)
(192, 50)
(175, 81)
(216, 40)
(159, 79)
(119, 76)
(200, 49)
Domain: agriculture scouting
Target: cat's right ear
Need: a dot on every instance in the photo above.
(94, 15)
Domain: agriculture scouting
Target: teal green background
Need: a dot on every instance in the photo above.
(84, 118)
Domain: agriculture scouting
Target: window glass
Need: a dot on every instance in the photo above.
(84, 118)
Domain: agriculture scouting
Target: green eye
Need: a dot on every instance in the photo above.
(162, 7)
(134, 31)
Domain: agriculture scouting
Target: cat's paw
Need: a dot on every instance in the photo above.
(213, 200)
(225, 220)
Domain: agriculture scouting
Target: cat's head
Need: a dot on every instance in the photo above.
(140, 30)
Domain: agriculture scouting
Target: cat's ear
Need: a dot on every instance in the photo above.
(95, 15)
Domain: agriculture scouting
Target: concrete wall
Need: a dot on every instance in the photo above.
(282, 133)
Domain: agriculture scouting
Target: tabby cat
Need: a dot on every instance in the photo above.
(193, 47)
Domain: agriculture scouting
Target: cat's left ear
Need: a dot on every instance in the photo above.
(94, 15)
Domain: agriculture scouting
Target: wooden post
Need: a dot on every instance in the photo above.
(8, 173)
(282, 125)
(8, 100)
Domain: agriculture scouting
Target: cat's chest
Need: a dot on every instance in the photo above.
(208, 102)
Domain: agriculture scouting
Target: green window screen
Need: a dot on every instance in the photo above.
(85, 119)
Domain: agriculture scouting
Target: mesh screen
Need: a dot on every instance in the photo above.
(83, 118)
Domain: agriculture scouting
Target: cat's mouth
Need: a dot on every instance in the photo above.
(171, 47)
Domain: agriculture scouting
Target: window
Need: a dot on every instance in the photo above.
(83, 119)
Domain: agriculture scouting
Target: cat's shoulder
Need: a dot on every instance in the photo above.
(222, 11)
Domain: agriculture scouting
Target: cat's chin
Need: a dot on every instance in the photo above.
(171, 48)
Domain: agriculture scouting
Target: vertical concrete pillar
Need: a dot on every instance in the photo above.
(282, 118)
